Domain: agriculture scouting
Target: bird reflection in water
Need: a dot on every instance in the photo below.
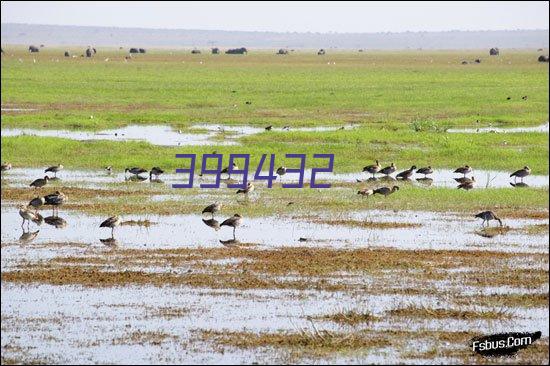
(110, 242)
(519, 185)
(426, 181)
(230, 242)
(56, 221)
(135, 178)
(28, 236)
(214, 224)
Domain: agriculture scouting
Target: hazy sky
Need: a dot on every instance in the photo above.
(281, 16)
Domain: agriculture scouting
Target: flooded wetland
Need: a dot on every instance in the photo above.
(112, 266)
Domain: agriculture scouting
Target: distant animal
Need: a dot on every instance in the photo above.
(321, 52)
(226, 170)
(477, 61)
(388, 170)
(281, 170)
(249, 188)
(522, 173)
(234, 221)
(237, 51)
(89, 52)
(385, 191)
(55, 199)
(54, 169)
(195, 51)
(282, 51)
(40, 182)
(212, 209)
(365, 192)
(109, 169)
(156, 171)
(215, 51)
(29, 215)
(33, 49)
(494, 51)
(427, 170)
(488, 216)
(269, 128)
(135, 170)
(543, 58)
(142, 50)
(467, 185)
(67, 54)
(508, 98)
(464, 62)
(5, 166)
(37, 202)
(406, 174)
(373, 169)
(111, 222)
(463, 170)
(248, 102)
(133, 50)
(524, 97)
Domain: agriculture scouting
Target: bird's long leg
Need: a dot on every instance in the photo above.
(22, 224)
(234, 227)
(113, 232)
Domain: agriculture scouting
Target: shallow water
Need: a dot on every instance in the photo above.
(544, 128)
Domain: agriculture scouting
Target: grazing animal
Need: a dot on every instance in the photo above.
(234, 221)
(488, 216)
(463, 170)
(249, 188)
(373, 169)
(321, 52)
(385, 191)
(29, 215)
(406, 174)
(5, 166)
(543, 58)
(40, 182)
(54, 169)
(135, 170)
(156, 171)
(111, 222)
(212, 209)
(522, 173)
(427, 170)
(388, 170)
(37, 202)
(365, 192)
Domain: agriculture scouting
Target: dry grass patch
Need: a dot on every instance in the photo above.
(415, 311)
(509, 300)
(366, 224)
(144, 337)
(350, 317)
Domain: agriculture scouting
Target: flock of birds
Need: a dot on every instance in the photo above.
(30, 212)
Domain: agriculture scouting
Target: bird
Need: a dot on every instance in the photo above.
(54, 169)
(426, 170)
(488, 216)
(388, 170)
(373, 169)
(213, 208)
(281, 171)
(385, 191)
(286, 128)
(463, 170)
(156, 171)
(508, 98)
(6, 166)
(466, 180)
(109, 169)
(365, 192)
(269, 128)
(135, 170)
(249, 188)
(40, 182)
(524, 97)
(234, 221)
(55, 199)
(406, 174)
(466, 185)
(226, 170)
(37, 202)
(29, 215)
(111, 222)
(522, 173)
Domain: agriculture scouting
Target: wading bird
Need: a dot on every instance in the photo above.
(385, 191)
(226, 170)
(29, 215)
(522, 173)
(488, 216)
(388, 170)
(156, 171)
(365, 192)
(109, 169)
(37, 202)
(281, 170)
(212, 209)
(111, 222)
(234, 221)
(372, 169)
(55, 200)
(40, 182)
(54, 169)
(463, 170)
(426, 170)
(135, 170)
(406, 174)
(249, 188)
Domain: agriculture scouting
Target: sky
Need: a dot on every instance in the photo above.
(280, 16)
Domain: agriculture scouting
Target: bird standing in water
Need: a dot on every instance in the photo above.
(54, 169)
(40, 182)
(212, 209)
(29, 215)
(488, 216)
(111, 222)
(234, 221)
(373, 169)
(522, 173)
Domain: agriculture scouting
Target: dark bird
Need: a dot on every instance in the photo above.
(286, 128)
(372, 169)
(388, 170)
(249, 188)
(522, 173)
(488, 216)
(426, 170)
(248, 102)
(406, 174)
(385, 191)
(365, 192)
(212, 209)
(135, 170)
(111, 222)
(463, 170)
(524, 97)
(234, 221)
(55, 199)
(508, 98)
(269, 128)
(40, 182)
(54, 169)
(5, 166)
(281, 170)
(466, 185)
(156, 171)
(226, 170)
(37, 202)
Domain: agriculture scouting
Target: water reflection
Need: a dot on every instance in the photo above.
(28, 236)
(425, 181)
(56, 221)
(135, 178)
(519, 185)
(110, 242)
(214, 224)
(230, 242)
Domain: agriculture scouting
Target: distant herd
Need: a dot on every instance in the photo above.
(90, 51)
